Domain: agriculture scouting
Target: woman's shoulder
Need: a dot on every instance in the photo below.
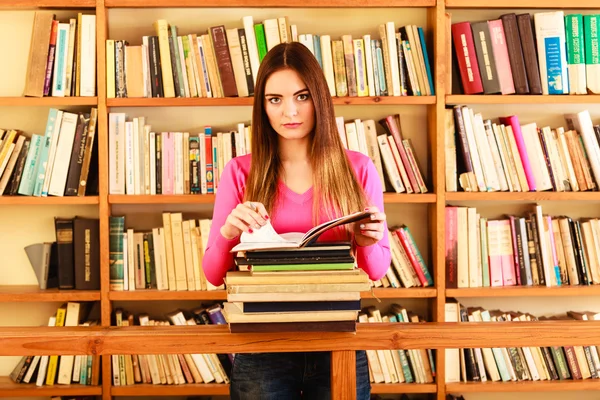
(358, 159)
(239, 167)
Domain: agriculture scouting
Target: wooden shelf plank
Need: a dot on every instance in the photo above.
(200, 389)
(31, 4)
(271, 3)
(523, 196)
(51, 200)
(48, 101)
(525, 386)
(393, 388)
(19, 293)
(522, 99)
(248, 101)
(10, 389)
(401, 293)
(559, 4)
(389, 198)
(525, 291)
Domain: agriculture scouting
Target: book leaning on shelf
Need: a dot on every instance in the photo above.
(142, 161)
(528, 251)
(65, 369)
(224, 61)
(482, 155)
(62, 162)
(518, 363)
(62, 56)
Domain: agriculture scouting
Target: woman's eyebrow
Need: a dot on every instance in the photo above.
(278, 95)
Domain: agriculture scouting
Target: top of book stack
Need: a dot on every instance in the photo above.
(292, 283)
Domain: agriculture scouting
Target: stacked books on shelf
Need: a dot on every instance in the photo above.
(398, 366)
(224, 61)
(482, 155)
(73, 260)
(62, 162)
(142, 161)
(165, 258)
(533, 250)
(556, 54)
(62, 57)
(171, 369)
(56, 369)
(518, 363)
(290, 282)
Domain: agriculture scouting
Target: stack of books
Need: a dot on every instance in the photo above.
(289, 282)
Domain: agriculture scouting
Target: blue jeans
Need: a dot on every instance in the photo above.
(291, 376)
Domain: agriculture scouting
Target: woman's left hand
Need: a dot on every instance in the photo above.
(370, 230)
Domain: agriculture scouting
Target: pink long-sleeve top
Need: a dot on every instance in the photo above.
(293, 213)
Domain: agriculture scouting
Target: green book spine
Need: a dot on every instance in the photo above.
(115, 242)
(574, 36)
(304, 267)
(590, 24)
(420, 259)
(179, 70)
(261, 41)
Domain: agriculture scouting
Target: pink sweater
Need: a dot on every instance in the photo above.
(293, 214)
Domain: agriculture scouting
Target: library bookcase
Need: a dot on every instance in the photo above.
(423, 121)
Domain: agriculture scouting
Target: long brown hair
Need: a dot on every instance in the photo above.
(335, 186)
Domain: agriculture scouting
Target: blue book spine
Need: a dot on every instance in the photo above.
(555, 54)
(28, 178)
(210, 185)
(317, 47)
(44, 154)
(426, 60)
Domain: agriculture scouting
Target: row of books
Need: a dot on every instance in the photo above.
(224, 62)
(62, 162)
(557, 55)
(72, 261)
(62, 56)
(64, 369)
(509, 156)
(142, 161)
(537, 250)
(518, 363)
(171, 369)
(165, 258)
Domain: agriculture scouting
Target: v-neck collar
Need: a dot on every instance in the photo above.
(299, 198)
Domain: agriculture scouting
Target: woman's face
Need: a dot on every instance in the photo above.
(288, 105)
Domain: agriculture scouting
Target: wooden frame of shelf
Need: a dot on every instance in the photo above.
(32, 4)
(548, 4)
(525, 291)
(17, 293)
(50, 200)
(48, 101)
(458, 99)
(10, 389)
(523, 196)
(271, 3)
(525, 386)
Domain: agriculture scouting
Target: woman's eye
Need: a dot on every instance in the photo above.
(274, 100)
(303, 96)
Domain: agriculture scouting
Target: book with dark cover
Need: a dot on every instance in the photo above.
(155, 67)
(529, 53)
(15, 180)
(86, 247)
(485, 57)
(77, 154)
(293, 260)
(223, 59)
(515, 53)
(246, 59)
(300, 306)
(326, 326)
(64, 238)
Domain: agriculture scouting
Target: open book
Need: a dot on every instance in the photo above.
(267, 238)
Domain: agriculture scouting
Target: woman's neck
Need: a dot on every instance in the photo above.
(292, 151)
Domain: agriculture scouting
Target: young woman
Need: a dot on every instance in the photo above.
(298, 175)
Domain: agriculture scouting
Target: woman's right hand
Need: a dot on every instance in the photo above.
(244, 218)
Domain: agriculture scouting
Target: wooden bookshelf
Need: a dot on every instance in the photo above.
(400, 293)
(526, 386)
(271, 3)
(412, 388)
(200, 389)
(459, 99)
(51, 200)
(525, 291)
(10, 389)
(48, 101)
(14, 294)
(31, 4)
(248, 101)
(560, 4)
(522, 196)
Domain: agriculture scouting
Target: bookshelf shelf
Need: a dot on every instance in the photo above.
(248, 101)
(523, 196)
(526, 386)
(79, 4)
(31, 200)
(10, 389)
(521, 99)
(271, 3)
(559, 4)
(388, 198)
(48, 101)
(19, 293)
(160, 295)
(401, 293)
(391, 388)
(525, 291)
(199, 389)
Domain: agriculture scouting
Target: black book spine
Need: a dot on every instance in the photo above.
(64, 238)
(77, 154)
(485, 57)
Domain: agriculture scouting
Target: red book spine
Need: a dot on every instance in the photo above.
(411, 256)
(462, 37)
(451, 248)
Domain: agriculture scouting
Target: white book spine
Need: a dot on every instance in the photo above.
(393, 52)
(327, 59)
(129, 158)
(116, 151)
(60, 168)
(551, 46)
(248, 22)
(88, 55)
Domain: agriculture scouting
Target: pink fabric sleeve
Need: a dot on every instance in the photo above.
(217, 257)
(375, 259)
